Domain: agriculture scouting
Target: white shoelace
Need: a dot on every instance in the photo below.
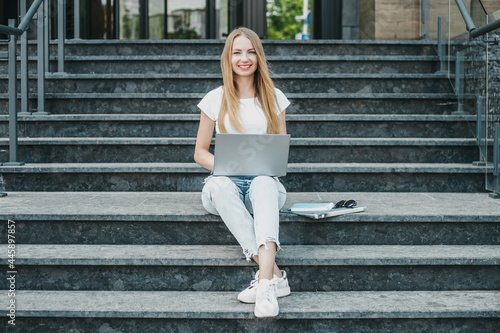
(268, 291)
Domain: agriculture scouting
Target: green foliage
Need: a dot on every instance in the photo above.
(281, 21)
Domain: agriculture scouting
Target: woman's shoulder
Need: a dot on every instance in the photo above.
(280, 95)
(217, 92)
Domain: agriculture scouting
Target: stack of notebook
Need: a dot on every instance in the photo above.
(321, 210)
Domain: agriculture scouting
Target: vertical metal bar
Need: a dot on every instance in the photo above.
(76, 11)
(496, 158)
(441, 39)
(12, 96)
(61, 27)
(479, 124)
(459, 87)
(487, 98)
(13, 134)
(24, 66)
(425, 18)
(440, 43)
(116, 21)
(41, 61)
(144, 19)
(211, 19)
(46, 34)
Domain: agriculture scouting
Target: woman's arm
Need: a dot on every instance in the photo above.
(205, 132)
(282, 121)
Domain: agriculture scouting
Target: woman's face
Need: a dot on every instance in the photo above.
(243, 57)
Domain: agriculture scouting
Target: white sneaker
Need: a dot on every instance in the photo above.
(266, 303)
(248, 295)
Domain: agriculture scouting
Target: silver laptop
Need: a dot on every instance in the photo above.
(251, 154)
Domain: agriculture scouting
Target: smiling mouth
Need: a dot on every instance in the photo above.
(244, 66)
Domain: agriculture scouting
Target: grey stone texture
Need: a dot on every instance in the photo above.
(178, 150)
(164, 206)
(224, 305)
(322, 177)
(111, 235)
(299, 126)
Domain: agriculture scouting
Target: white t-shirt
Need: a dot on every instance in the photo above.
(252, 118)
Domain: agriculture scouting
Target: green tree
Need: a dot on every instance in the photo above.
(281, 21)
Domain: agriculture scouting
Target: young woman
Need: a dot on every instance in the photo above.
(249, 206)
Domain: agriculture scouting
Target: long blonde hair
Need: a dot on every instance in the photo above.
(264, 87)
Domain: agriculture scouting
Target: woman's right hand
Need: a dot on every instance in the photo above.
(202, 155)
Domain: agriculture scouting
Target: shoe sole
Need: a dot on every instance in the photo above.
(281, 293)
(265, 316)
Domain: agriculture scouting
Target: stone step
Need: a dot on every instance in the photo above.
(215, 47)
(322, 150)
(211, 64)
(396, 311)
(224, 268)
(301, 177)
(290, 83)
(186, 125)
(178, 218)
(171, 103)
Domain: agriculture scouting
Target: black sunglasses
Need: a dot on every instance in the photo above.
(346, 203)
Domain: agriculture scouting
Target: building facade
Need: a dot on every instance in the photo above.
(214, 19)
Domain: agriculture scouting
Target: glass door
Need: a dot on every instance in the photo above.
(152, 19)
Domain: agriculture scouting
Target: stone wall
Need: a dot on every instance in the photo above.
(397, 19)
(476, 84)
(401, 19)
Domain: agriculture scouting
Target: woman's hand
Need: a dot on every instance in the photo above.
(282, 121)
(202, 155)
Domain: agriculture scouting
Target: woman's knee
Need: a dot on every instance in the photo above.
(264, 183)
(269, 185)
(214, 190)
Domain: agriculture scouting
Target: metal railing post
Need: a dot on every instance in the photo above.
(425, 17)
(46, 33)
(76, 12)
(459, 85)
(480, 138)
(441, 51)
(479, 122)
(496, 158)
(41, 61)
(24, 67)
(13, 129)
(61, 28)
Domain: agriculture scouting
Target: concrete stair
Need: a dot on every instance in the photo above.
(156, 259)
(111, 234)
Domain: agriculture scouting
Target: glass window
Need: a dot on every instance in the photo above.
(281, 19)
(186, 19)
(222, 8)
(129, 19)
(156, 19)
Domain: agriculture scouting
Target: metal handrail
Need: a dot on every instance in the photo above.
(24, 23)
(469, 22)
(12, 31)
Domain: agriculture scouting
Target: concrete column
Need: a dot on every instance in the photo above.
(254, 16)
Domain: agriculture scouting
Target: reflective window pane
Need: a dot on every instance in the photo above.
(222, 8)
(156, 19)
(186, 19)
(129, 19)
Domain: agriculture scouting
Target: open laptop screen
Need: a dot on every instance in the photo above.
(251, 154)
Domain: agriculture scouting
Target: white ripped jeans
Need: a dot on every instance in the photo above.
(236, 199)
